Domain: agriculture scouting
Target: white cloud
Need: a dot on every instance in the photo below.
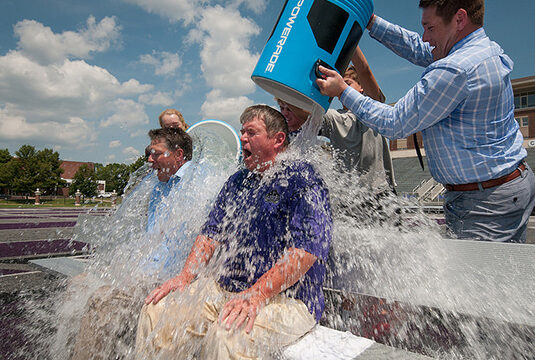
(43, 93)
(165, 63)
(115, 143)
(225, 108)
(128, 114)
(174, 10)
(144, 132)
(159, 98)
(110, 157)
(131, 153)
(74, 132)
(39, 43)
(60, 91)
(257, 6)
(226, 62)
(225, 38)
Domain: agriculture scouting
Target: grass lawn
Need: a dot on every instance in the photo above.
(62, 202)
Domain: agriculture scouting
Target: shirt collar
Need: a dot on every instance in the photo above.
(178, 174)
(474, 35)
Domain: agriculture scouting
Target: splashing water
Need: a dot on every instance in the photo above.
(391, 270)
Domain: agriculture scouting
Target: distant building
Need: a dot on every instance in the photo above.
(524, 92)
(69, 170)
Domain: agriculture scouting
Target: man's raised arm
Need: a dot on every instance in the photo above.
(365, 76)
(200, 254)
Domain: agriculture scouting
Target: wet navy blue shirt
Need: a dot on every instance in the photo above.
(257, 218)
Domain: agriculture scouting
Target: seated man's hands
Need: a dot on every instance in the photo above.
(332, 84)
(201, 252)
(242, 308)
(247, 304)
(179, 282)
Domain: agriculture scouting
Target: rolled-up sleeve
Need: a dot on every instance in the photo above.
(406, 44)
(433, 98)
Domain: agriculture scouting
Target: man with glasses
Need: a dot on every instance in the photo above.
(108, 325)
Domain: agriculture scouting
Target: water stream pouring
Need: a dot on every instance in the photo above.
(306, 35)
(229, 139)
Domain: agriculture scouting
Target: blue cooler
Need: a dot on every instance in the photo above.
(309, 33)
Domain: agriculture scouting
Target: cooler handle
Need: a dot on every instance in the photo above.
(317, 71)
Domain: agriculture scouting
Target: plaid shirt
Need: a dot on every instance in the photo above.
(463, 105)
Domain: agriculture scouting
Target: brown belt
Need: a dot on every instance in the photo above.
(489, 183)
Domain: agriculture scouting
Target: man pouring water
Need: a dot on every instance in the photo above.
(464, 107)
(252, 282)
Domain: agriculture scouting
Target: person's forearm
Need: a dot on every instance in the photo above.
(365, 76)
(202, 250)
(285, 273)
(407, 44)
(377, 116)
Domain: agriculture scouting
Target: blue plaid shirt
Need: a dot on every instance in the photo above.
(463, 105)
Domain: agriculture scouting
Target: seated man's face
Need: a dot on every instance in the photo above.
(295, 116)
(258, 147)
(353, 83)
(165, 162)
(171, 121)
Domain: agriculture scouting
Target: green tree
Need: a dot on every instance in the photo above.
(85, 181)
(5, 177)
(48, 177)
(30, 169)
(137, 164)
(115, 175)
(5, 156)
(23, 170)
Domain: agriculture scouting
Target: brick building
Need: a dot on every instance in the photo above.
(524, 90)
(69, 170)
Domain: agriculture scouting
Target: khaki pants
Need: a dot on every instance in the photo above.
(108, 325)
(185, 325)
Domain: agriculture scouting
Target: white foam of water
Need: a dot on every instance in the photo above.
(378, 249)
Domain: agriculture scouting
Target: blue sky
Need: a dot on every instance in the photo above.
(89, 78)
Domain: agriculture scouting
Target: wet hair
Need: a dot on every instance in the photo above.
(174, 138)
(147, 153)
(273, 119)
(351, 72)
(174, 112)
(446, 9)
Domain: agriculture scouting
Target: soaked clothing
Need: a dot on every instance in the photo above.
(187, 323)
(111, 314)
(165, 260)
(257, 218)
(359, 147)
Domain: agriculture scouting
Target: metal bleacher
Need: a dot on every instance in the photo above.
(409, 175)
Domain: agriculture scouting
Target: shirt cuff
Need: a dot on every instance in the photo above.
(379, 28)
(350, 98)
